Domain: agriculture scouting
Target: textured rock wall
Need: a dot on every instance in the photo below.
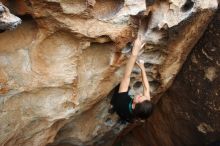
(7, 20)
(188, 114)
(60, 64)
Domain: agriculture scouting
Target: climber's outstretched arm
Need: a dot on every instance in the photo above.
(138, 44)
(129, 66)
(146, 86)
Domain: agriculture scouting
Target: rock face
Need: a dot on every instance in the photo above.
(58, 68)
(188, 114)
(7, 20)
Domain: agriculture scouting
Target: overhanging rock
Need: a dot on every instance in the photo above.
(59, 67)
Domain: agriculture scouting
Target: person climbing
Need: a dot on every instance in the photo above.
(140, 106)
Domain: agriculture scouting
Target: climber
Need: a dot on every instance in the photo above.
(140, 106)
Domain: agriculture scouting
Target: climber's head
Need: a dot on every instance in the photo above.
(142, 107)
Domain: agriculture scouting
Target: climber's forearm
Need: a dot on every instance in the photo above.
(128, 68)
(146, 86)
(137, 46)
(132, 60)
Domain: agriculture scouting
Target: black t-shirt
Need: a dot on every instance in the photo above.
(122, 104)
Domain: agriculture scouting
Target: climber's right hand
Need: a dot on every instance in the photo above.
(140, 64)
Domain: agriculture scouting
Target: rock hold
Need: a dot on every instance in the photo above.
(66, 58)
(8, 21)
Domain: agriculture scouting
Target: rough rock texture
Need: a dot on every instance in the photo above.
(7, 20)
(58, 67)
(188, 114)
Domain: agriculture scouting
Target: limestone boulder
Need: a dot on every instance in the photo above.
(58, 68)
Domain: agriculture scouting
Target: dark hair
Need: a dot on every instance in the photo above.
(143, 110)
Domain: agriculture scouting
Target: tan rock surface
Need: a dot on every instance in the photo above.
(58, 67)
